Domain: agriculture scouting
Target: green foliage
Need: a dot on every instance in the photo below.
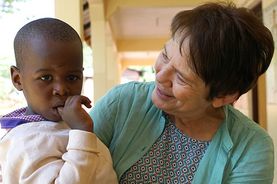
(5, 63)
(6, 6)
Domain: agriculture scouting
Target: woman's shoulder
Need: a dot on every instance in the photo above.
(135, 86)
(131, 90)
(125, 99)
(251, 147)
(241, 126)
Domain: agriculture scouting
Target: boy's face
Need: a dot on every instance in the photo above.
(51, 71)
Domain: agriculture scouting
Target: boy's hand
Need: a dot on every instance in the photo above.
(74, 115)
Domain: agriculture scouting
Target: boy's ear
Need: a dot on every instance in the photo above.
(224, 100)
(15, 75)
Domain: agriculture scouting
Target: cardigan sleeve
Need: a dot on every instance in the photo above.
(39, 156)
(104, 115)
(256, 163)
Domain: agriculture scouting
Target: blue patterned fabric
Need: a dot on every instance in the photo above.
(18, 117)
(173, 158)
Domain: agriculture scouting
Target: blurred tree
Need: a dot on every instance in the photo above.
(6, 6)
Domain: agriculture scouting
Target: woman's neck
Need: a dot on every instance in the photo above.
(201, 128)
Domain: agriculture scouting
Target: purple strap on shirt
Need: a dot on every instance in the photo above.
(18, 117)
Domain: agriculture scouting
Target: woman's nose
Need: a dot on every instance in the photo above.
(165, 75)
(60, 89)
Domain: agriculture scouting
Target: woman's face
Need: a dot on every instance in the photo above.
(179, 91)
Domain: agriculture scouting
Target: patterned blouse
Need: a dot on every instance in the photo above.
(173, 158)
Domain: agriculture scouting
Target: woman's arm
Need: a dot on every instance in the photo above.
(256, 163)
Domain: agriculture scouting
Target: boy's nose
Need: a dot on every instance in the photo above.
(60, 89)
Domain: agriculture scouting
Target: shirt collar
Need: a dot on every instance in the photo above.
(18, 117)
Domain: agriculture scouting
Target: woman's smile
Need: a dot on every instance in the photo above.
(162, 94)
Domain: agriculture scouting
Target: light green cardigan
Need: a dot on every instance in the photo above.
(129, 123)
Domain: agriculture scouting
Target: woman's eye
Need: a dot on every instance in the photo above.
(180, 79)
(46, 78)
(165, 56)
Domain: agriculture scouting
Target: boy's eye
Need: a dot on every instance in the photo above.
(46, 78)
(73, 77)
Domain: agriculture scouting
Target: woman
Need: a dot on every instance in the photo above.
(181, 129)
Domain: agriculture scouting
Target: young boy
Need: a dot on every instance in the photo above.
(50, 141)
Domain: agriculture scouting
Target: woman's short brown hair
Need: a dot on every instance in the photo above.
(229, 47)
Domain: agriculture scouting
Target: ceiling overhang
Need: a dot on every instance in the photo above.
(143, 26)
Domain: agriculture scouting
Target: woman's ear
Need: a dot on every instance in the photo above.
(16, 78)
(224, 100)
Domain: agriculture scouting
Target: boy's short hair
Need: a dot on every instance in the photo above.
(46, 28)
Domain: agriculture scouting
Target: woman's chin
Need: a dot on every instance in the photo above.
(158, 102)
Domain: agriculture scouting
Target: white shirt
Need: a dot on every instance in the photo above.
(47, 152)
